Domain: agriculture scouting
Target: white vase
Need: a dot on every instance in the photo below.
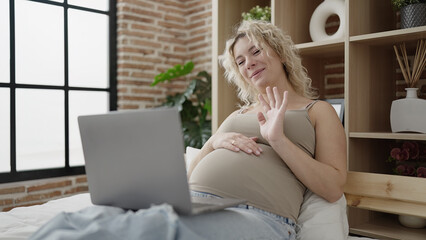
(408, 114)
(320, 16)
(412, 221)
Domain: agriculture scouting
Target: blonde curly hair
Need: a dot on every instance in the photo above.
(263, 33)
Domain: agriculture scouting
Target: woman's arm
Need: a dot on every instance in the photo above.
(326, 174)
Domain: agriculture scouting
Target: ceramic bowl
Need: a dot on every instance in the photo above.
(412, 221)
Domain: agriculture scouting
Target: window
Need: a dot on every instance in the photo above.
(58, 62)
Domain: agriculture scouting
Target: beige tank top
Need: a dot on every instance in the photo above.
(265, 181)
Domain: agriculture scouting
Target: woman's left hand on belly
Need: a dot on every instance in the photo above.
(236, 142)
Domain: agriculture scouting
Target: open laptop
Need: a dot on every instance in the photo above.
(136, 158)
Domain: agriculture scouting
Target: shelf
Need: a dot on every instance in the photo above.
(329, 48)
(386, 205)
(386, 193)
(385, 135)
(390, 37)
(387, 228)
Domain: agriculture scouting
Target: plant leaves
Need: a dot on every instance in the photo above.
(208, 105)
(174, 72)
(190, 89)
(258, 13)
(196, 128)
(196, 135)
(189, 112)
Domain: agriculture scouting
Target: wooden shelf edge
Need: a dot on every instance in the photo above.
(390, 36)
(386, 135)
(320, 44)
(389, 189)
(387, 228)
(371, 233)
(329, 47)
(386, 205)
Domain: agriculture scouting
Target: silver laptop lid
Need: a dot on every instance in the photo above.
(135, 158)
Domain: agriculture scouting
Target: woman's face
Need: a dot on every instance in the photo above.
(257, 67)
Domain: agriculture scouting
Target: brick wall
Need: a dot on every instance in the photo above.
(153, 36)
(29, 193)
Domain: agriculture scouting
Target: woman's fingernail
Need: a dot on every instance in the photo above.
(257, 153)
(249, 150)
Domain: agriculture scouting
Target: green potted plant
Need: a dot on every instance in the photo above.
(258, 13)
(194, 104)
(413, 12)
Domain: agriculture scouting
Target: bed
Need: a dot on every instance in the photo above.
(318, 219)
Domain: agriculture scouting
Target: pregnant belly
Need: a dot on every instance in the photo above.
(237, 174)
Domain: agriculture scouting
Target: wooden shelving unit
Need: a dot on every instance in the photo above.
(375, 198)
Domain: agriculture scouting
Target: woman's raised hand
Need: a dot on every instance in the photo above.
(272, 126)
(236, 142)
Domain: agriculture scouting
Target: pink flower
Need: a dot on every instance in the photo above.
(408, 157)
(405, 170)
(400, 169)
(423, 154)
(412, 148)
(395, 152)
(410, 171)
(421, 172)
(400, 155)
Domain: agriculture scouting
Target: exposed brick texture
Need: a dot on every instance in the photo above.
(5, 202)
(77, 189)
(81, 179)
(12, 190)
(38, 197)
(153, 36)
(49, 186)
(36, 192)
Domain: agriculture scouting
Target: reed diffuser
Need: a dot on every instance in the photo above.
(408, 114)
(412, 77)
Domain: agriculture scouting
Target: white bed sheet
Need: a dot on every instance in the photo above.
(20, 223)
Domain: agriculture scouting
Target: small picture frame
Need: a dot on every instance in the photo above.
(338, 105)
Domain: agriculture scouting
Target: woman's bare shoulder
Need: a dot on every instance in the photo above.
(322, 111)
